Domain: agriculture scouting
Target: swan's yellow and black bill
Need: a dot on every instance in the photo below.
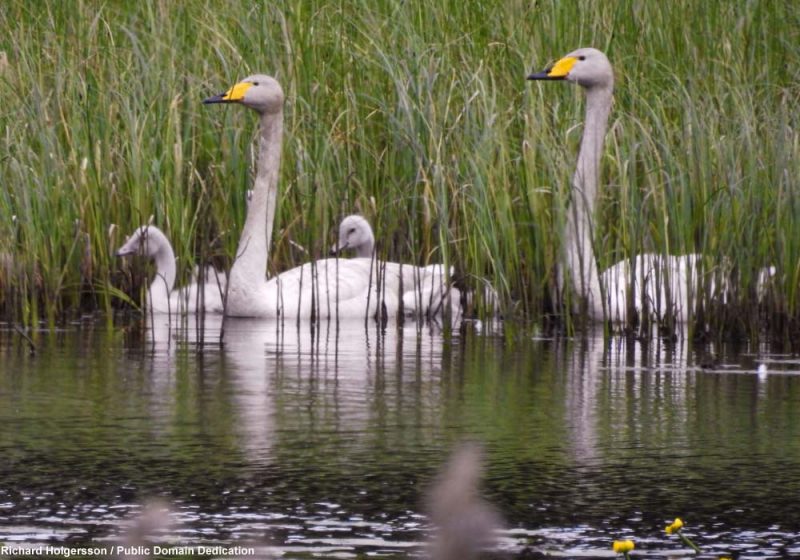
(557, 71)
(236, 93)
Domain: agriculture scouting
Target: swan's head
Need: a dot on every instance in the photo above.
(355, 233)
(259, 92)
(146, 241)
(586, 67)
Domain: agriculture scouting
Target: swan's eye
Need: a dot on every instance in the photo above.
(255, 83)
(352, 230)
(581, 58)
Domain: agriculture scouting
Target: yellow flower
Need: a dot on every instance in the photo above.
(623, 547)
(676, 526)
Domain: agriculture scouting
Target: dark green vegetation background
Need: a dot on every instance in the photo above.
(416, 114)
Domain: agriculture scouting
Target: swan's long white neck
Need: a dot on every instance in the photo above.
(162, 284)
(248, 273)
(581, 261)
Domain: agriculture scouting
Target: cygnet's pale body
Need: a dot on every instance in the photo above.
(150, 242)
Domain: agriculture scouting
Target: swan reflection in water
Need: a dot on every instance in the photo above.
(340, 369)
(601, 372)
(315, 415)
(337, 368)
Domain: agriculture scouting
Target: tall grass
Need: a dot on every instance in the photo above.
(415, 114)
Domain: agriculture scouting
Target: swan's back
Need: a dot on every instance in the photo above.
(659, 285)
(344, 288)
(351, 289)
(207, 296)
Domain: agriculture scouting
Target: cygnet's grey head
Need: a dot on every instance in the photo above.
(259, 92)
(587, 67)
(355, 233)
(146, 241)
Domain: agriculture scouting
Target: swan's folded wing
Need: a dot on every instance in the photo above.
(358, 288)
(329, 288)
(430, 294)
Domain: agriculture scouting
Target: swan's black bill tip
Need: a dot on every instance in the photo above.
(215, 99)
(543, 75)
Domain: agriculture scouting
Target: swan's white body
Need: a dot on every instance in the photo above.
(344, 288)
(658, 285)
(649, 283)
(150, 242)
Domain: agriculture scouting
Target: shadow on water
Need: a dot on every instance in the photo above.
(324, 441)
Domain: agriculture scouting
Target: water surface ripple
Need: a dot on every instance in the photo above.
(321, 442)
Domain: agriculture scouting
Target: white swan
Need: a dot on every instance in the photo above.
(430, 290)
(149, 241)
(661, 283)
(350, 288)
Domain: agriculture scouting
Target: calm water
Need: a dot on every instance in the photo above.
(322, 444)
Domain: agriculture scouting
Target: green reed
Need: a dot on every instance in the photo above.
(416, 115)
